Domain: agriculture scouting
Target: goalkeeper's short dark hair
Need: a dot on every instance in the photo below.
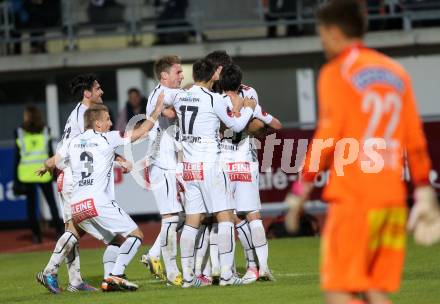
(348, 15)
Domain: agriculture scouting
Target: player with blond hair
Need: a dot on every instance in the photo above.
(162, 161)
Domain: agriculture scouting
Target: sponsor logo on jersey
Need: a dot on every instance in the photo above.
(239, 171)
(373, 76)
(83, 210)
(193, 171)
(189, 99)
(84, 144)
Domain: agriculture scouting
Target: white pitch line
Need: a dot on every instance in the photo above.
(289, 274)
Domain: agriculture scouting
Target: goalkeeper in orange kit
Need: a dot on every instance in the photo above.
(367, 121)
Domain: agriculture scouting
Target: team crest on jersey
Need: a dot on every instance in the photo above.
(83, 210)
(193, 171)
(229, 112)
(239, 172)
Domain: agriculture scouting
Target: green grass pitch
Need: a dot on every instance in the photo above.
(294, 263)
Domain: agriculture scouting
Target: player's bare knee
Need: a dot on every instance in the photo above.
(74, 229)
(253, 215)
(225, 216)
(118, 240)
(237, 219)
(137, 233)
(338, 298)
(377, 297)
(193, 220)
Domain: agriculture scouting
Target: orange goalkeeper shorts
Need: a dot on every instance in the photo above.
(363, 248)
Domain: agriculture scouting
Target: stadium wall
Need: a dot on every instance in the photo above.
(284, 72)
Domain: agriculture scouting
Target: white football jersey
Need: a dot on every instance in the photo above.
(162, 137)
(200, 112)
(91, 156)
(237, 146)
(75, 122)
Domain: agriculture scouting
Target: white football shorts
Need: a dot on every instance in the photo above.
(206, 188)
(244, 185)
(163, 184)
(102, 221)
(65, 191)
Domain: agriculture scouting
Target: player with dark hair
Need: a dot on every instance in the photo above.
(242, 167)
(83, 83)
(220, 59)
(366, 101)
(206, 186)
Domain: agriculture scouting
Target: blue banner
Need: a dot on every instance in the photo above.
(12, 208)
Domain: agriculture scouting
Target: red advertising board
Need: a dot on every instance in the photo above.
(278, 153)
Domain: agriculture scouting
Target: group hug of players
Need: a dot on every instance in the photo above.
(363, 96)
(201, 166)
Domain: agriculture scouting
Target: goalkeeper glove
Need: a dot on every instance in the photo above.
(424, 219)
(295, 201)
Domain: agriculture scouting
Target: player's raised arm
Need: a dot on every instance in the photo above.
(56, 161)
(267, 118)
(236, 124)
(168, 100)
(49, 165)
(148, 124)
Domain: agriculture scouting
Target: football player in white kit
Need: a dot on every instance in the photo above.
(206, 186)
(242, 166)
(93, 208)
(253, 255)
(87, 88)
(162, 173)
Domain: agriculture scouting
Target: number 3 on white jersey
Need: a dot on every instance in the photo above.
(373, 102)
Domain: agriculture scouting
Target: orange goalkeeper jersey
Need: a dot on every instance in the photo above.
(367, 121)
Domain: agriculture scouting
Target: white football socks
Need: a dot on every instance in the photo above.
(213, 250)
(62, 248)
(73, 266)
(126, 253)
(202, 245)
(109, 259)
(226, 248)
(187, 244)
(260, 242)
(154, 251)
(168, 237)
(245, 237)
